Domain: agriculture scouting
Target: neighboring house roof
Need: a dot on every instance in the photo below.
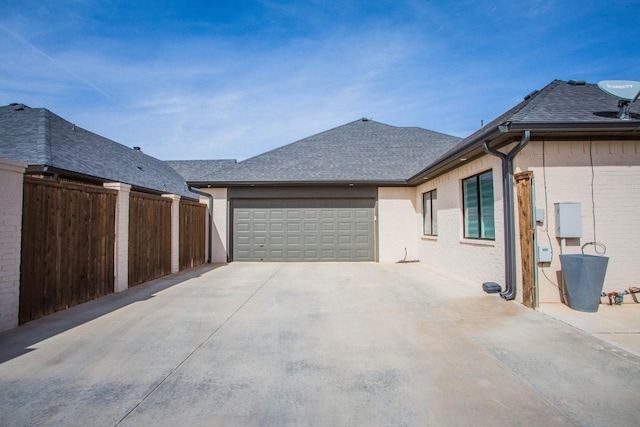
(561, 109)
(363, 151)
(192, 170)
(42, 139)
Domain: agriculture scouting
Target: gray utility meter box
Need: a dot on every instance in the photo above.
(568, 220)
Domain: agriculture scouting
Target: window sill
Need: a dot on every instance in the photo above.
(478, 242)
(430, 238)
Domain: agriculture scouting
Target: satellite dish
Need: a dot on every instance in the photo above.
(627, 90)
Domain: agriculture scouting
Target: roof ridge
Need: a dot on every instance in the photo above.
(303, 139)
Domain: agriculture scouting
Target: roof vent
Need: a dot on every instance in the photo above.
(364, 119)
(577, 82)
(16, 106)
(531, 94)
(136, 148)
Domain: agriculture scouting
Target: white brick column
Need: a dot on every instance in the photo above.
(175, 231)
(121, 262)
(11, 188)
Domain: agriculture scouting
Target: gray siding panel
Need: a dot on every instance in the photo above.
(303, 230)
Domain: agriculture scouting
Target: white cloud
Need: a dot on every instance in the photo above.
(234, 95)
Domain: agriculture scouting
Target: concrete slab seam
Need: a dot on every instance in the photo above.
(137, 405)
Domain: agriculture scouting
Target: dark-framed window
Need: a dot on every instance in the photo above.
(477, 200)
(429, 213)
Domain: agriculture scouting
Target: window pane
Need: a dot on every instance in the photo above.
(429, 213)
(486, 206)
(470, 201)
(426, 214)
(434, 212)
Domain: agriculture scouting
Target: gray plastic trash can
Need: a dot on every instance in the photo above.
(583, 279)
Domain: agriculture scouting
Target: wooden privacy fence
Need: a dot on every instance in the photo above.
(68, 240)
(192, 234)
(149, 237)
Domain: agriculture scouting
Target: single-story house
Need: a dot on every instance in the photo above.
(366, 191)
(82, 216)
(52, 146)
(333, 196)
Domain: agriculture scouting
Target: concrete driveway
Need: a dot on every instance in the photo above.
(339, 344)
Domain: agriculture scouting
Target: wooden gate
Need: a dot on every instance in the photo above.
(525, 219)
(193, 237)
(149, 237)
(68, 238)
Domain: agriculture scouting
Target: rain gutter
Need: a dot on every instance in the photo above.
(509, 212)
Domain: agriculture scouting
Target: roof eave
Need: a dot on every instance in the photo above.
(305, 183)
(52, 170)
(503, 134)
(466, 152)
(612, 126)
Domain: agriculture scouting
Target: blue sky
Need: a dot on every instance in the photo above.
(233, 79)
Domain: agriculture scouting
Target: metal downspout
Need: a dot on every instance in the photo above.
(509, 292)
(210, 234)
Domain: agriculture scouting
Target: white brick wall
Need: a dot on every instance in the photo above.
(220, 226)
(397, 214)
(616, 192)
(122, 235)
(175, 231)
(11, 187)
(476, 260)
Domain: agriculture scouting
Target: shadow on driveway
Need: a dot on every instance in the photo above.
(16, 342)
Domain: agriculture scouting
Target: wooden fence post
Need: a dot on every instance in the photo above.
(11, 176)
(175, 231)
(121, 262)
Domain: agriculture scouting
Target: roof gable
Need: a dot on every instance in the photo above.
(360, 151)
(36, 136)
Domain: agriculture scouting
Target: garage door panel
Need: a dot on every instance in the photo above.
(362, 254)
(362, 240)
(363, 226)
(260, 215)
(311, 255)
(293, 227)
(277, 240)
(311, 240)
(276, 226)
(293, 240)
(293, 255)
(294, 215)
(345, 254)
(345, 214)
(277, 256)
(345, 226)
(345, 240)
(276, 215)
(303, 230)
(328, 215)
(327, 227)
(311, 227)
(328, 255)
